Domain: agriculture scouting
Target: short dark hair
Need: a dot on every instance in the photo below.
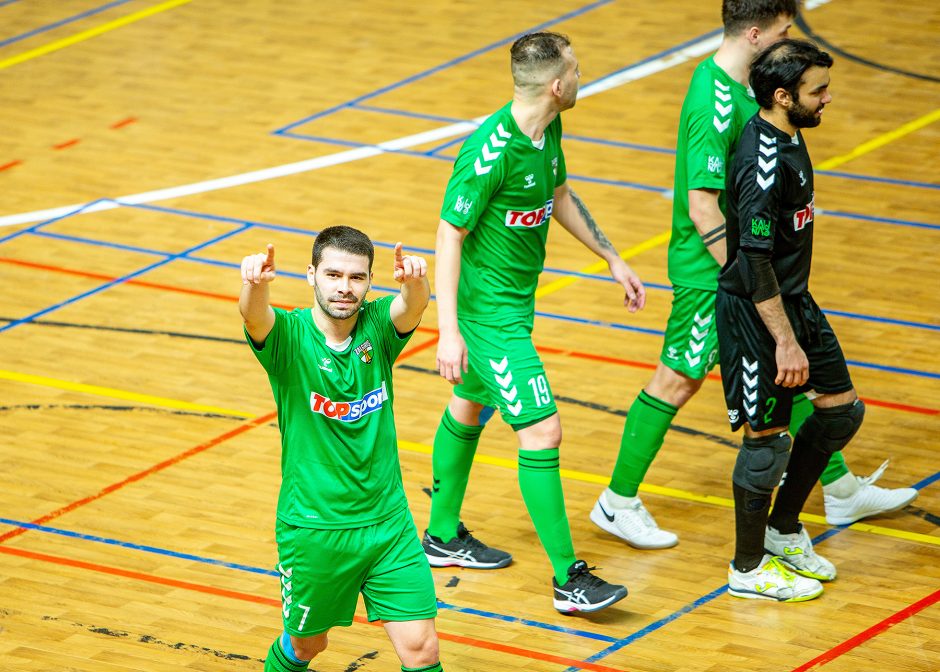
(736, 15)
(345, 239)
(536, 52)
(781, 66)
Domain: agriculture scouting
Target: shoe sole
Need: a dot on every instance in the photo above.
(878, 512)
(598, 518)
(570, 608)
(436, 561)
(750, 595)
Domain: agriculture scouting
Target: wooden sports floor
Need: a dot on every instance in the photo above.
(147, 146)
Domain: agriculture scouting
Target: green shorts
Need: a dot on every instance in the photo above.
(323, 572)
(505, 372)
(690, 346)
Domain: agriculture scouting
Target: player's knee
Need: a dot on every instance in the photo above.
(545, 433)
(830, 429)
(761, 462)
(420, 650)
(307, 648)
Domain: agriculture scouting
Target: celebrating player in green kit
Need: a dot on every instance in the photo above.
(508, 181)
(715, 110)
(343, 524)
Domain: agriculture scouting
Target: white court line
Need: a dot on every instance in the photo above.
(694, 50)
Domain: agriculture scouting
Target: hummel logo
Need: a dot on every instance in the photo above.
(802, 179)
(529, 181)
(608, 516)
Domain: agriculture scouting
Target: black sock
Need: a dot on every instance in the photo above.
(806, 466)
(750, 520)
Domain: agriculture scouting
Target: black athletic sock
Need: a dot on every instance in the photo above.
(804, 469)
(750, 521)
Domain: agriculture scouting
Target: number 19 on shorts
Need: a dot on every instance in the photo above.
(540, 391)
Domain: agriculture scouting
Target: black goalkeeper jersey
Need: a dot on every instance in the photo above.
(770, 207)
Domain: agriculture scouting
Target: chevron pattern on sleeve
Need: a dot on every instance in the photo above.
(491, 150)
(722, 118)
(766, 162)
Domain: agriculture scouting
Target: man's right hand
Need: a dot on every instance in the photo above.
(258, 268)
(792, 365)
(452, 360)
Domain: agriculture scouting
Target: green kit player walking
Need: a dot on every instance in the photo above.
(714, 113)
(509, 180)
(343, 524)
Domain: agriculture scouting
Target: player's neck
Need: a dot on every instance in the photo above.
(334, 330)
(777, 117)
(532, 117)
(734, 57)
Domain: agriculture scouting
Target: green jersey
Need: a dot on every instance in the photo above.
(501, 191)
(339, 451)
(714, 112)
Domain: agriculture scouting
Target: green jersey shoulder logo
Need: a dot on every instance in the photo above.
(760, 227)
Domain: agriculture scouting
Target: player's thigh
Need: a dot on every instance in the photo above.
(510, 370)
(321, 572)
(399, 585)
(749, 367)
(690, 344)
(828, 371)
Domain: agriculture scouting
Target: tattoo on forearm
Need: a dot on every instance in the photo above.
(591, 224)
(713, 236)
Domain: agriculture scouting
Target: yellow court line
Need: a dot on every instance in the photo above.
(881, 140)
(674, 493)
(428, 450)
(88, 34)
(598, 266)
(117, 394)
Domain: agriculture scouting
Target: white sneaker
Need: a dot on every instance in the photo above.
(632, 523)
(796, 551)
(771, 580)
(867, 500)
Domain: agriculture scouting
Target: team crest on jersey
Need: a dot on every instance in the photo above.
(365, 352)
(530, 218)
(803, 217)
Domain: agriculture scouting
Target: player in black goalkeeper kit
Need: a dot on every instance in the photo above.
(774, 341)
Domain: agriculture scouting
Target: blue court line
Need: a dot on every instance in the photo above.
(548, 269)
(37, 226)
(244, 225)
(120, 280)
(353, 143)
(880, 220)
(705, 599)
(444, 66)
(270, 572)
(4, 3)
(622, 144)
(57, 24)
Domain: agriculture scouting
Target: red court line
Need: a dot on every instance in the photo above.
(247, 597)
(124, 122)
(67, 144)
(870, 633)
(143, 474)
(906, 408)
(10, 164)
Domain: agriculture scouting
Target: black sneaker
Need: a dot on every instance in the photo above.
(463, 551)
(584, 591)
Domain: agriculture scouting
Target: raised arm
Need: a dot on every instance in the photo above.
(451, 348)
(573, 215)
(408, 307)
(254, 303)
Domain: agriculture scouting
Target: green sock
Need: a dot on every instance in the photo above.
(454, 447)
(278, 661)
(436, 667)
(802, 409)
(540, 483)
(647, 422)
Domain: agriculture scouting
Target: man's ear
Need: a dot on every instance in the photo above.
(311, 275)
(752, 34)
(783, 98)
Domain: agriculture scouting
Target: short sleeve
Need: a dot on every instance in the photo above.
(760, 184)
(470, 188)
(392, 343)
(278, 349)
(707, 150)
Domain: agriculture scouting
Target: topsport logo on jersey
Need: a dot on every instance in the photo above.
(349, 411)
(531, 218)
